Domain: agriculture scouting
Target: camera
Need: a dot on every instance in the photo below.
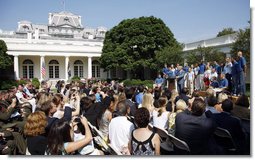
(78, 120)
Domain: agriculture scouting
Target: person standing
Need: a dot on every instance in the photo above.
(201, 75)
(196, 70)
(190, 84)
(165, 71)
(228, 72)
(180, 79)
(242, 63)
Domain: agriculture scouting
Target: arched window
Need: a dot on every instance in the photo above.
(28, 69)
(53, 69)
(78, 68)
(95, 69)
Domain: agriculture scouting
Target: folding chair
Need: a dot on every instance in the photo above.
(113, 151)
(179, 144)
(165, 143)
(224, 139)
(99, 139)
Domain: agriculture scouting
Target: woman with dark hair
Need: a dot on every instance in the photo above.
(106, 118)
(35, 131)
(60, 138)
(144, 141)
(90, 110)
(160, 115)
(49, 108)
(241, 108)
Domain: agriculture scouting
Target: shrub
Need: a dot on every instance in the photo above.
(36, 83)
(22, 81)
(75, 78)
(137, 82)
(7, 84)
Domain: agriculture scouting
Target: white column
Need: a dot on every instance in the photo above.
(66, 67)
(29, 37)
(41, 63)
(16, 67)
(89, 67)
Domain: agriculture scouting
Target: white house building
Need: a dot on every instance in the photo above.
(62, 45)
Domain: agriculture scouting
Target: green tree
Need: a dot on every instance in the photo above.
(170, 55)
(242, 43)
(132, 45)
(226, 31)
(208, 54)
(5, 59)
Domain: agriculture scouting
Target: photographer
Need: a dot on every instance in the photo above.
(49, 108)
(79, 134)
(64, 144)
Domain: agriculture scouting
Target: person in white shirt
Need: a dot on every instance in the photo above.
(160, 115)
(120, 128)
(213, 74)
(190, 80)
(23, 97)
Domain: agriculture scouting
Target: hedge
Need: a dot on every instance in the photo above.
(137, 82)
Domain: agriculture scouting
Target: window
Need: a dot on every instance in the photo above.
(78, 68)
(53, 69)
(95, 69)
(28, 69)
(114, 73)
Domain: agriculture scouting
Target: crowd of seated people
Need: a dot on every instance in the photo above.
(81, 118)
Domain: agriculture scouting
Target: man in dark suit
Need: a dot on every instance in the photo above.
(196, 129)
(231, 123)
(180, 79)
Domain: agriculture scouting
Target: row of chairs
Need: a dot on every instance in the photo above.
(170, 143)
(175, 146)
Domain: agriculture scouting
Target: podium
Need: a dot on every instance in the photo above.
(171, 82)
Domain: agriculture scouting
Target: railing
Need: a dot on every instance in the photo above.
(218, 41)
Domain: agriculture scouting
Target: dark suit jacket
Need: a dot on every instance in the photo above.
(232, 124)
(196, 131)
(241, 112)
(37, 144)
(180, 79)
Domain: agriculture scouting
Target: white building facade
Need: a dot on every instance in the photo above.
(61, 46)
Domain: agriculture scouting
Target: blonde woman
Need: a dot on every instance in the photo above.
(180, 107)
(148, 102)
(221, 98)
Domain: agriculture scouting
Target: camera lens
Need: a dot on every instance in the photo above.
(77, 120)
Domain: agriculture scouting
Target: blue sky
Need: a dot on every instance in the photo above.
(189, 20)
